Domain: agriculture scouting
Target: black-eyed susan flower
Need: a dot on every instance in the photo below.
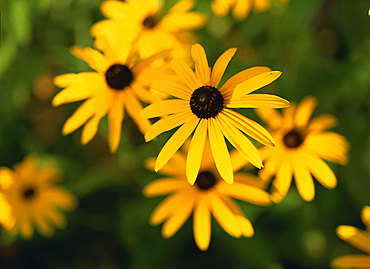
(210, 195)
(119, 83)
(357, 238)
(142, 20)
(301, 145)
(32, 199)
(203, 106)
(240, 8)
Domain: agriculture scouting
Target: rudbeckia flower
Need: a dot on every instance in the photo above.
(301, 145)
(32, 199)
(119, 83)
(210, 195)
(203, 106)
(357, 238)
(141, 20)
(240, 8)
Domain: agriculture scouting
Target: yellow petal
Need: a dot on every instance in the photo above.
(166, 124)
(202, 69)
(178, 22)
(281, 184)
(240, 141)
(167, 207)
(365, 216)
(58, 219)
(134, 108)
(172, 167)
(90, 129)
(74, 94)
(164, 108)
(115, 118)
(303, 179)
(351, 261)
(219, 150)
(175, 142)
(182, 6)
(115, 9)
(43, 227)
(220, 66)
(270, 116)
(26, 229)
(354, 236)
(321, 171)
(255, 83)
(322, 123)
(93, 58)
(61, 198)
(224, 216)
(304, 111)
(195, 152)
(186, 74)
(242, 9)
(80, 79)
(202, 225)
(258, 101)
(221, 7)
(228, 88)
(245, 226)
(174, 88)
(162, 187)
(249, 127)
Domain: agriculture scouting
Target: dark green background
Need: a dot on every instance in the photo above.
(322, 48)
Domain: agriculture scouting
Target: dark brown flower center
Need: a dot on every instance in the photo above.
(205, 180)
(293, 139)
(118, 76)
(150, 22)
(29, 193)
(206, 102)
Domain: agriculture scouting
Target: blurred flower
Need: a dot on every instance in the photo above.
(203, 107)
(240, 8)
(209, 195)
(30, 198)
(140, 19)
(300, 147)
(120, 82)
(357, 238)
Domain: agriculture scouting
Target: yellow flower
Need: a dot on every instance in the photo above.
(32, 199)
(141, 19)
(119, 82)
(203, 107)
(357, 238)
(240, 8)
(209, 195)
(301, 145)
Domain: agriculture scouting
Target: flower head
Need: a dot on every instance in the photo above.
(357, 238)
(31, 199)
(203, 106)
(210, 195)
(301, 145)
(119, 82)
(141, 21)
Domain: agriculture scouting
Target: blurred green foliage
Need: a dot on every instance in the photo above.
(322, 48)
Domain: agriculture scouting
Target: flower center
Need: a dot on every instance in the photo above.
(205, 180)
(29, 193)
(206, 102)
(118, 76)
(150, 22)
(293, 139)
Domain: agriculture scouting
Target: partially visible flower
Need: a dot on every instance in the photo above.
(240, 8)
(301, 145)
(30, 198)
(120, 81)
(205, 108)
(357, 238)
(141, 21)
(210, 195)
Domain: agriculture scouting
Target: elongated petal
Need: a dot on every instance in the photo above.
(249, 127)
(242, 9)
(172, 167)
(164, 108)
(70, 79)
(178, 22)
(321, 171)
(322, 123)
(365, 216)
(202, 70)
(134, 108)
(245, 226)
(304, 111)
(187, 75)
(115, 118)
(303, 178)
(162, 187)
(258, 101)
(269, 115)
(167, 207)
(240, 142)
(93, 58)
(351, 261)
(356, 237)
(81, 115)
(174, 88)
(220, 66)
(166, 124)
(281, 184)
(202, 225)
(90, 129)
(228, 87)
(255, 83)
(182, 6)
(43, 227)
(219, 151)
(175, 142)
(195, 152)
(224, 216)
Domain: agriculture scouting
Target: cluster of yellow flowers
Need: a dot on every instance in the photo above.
(143, 57)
